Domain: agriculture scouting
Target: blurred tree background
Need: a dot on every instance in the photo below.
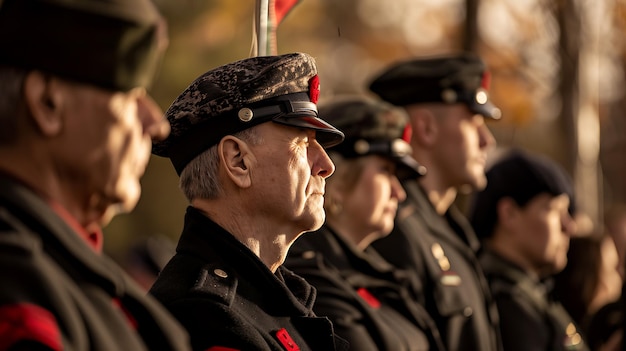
(557, 74)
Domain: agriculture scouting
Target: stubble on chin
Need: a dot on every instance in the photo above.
(318, 213)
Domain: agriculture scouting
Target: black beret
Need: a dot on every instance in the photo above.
(443, 79)
(520, 176)
(114, 44)
(373, 127)
(228, 99)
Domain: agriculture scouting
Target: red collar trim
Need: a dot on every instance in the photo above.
(94, 239)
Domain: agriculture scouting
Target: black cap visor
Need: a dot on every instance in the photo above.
(409, 168)
(487, 109)
(295, 110)
(326, 134)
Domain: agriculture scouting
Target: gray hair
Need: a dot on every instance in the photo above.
(200, 178)
(12, 81)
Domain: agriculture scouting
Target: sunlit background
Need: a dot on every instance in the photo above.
(557, 74)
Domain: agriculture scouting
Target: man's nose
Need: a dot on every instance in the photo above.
(152, 118)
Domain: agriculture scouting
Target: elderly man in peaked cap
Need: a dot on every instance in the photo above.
(249, 148)
(76, 135)
(447, 100)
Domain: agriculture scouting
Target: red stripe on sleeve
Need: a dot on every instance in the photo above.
(28, 322)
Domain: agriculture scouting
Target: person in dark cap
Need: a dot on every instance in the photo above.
(76, 134)
(446, 98)
(248, 145)
(370, 303)
(524, 215)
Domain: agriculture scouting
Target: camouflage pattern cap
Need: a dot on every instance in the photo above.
(373, 128)
(228, 99)
(460, 78)
(113, 44)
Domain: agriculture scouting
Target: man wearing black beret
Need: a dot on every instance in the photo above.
(75, 138)
(249, 148)
(447, 101)
(524, 216)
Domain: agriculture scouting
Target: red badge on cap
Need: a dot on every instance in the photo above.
(314, 89)
(486, 81)
(407, 133)
(283, 336)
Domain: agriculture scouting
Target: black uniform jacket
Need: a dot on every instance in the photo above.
(226, 297)
(529, 318)
(368, 301)
(441, 252)
(57, 293)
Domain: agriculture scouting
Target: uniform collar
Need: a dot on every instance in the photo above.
(204, 238)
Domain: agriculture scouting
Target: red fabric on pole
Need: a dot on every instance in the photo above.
(282, 8)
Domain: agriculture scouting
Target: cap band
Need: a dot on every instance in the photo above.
(361, 147)
(396, 149)
(282, 108)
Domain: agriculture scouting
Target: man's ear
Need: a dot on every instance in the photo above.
(507, 210)
(234, 156)
(423, 125)
(43, 99)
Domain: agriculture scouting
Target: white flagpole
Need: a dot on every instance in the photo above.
(262, 27)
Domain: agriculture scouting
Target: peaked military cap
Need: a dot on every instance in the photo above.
(114, 44)
(460, 78)
(283, 89)
(520, 176)
(373, 128)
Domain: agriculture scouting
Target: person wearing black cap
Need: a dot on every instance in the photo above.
(76, 134)
(447, 100)
(249, 149)
(369, 302)
(524, 215)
